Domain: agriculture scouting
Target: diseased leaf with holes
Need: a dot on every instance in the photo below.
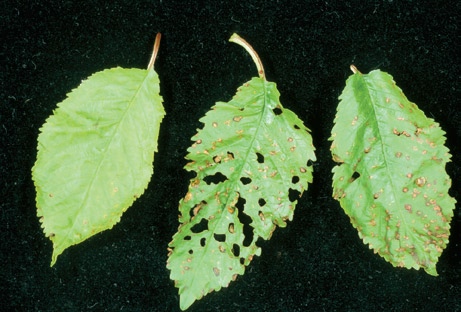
(95, 154)
(252, 162)
(391, 177)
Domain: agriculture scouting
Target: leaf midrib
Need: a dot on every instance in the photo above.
(234, 182)
(383, 148)
(103, 158)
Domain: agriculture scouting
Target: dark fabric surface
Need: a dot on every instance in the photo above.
(316, 263)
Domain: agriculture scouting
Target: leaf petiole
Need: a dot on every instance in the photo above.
(354, 69)
(242, 42)
(154, 52)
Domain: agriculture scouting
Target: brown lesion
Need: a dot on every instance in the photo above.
(421, 181)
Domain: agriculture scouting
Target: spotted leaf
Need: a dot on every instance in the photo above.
(252, 162)
(390, 178)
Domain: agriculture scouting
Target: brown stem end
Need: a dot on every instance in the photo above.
(242, 42)
(354, 69)
(155, 51)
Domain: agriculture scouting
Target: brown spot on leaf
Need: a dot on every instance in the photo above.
(217, 159)
(197, 208)
(337, 159)
(195, 183)
(354, 121)
(188, 197)
(421, 181)
(214, 124)
(237, 118)
(261, 216)
(408, 208)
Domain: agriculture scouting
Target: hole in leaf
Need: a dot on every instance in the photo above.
(217, 178)
(277, 111)
(236, 250)
(242, 261)
(203, 241)
(231, 228)
(309, 163)
(245, 180)
(261, 202)
(245, 220)
(220, 237)
(200, 227)
(191, 251)
(187, 237)
(296, 127)
(355, 176)
(260, 158)
(293, 195)
(230, 155)
(295, 179)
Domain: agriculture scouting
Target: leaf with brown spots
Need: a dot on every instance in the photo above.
(390, 178)
(252, 161)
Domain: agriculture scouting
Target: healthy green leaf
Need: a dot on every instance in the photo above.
(391, 178)
(252, 162)
(95, 154)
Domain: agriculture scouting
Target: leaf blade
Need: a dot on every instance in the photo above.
(95, 154)
(391, 178)
(245, 158)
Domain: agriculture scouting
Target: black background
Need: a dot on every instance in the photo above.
(317, 263)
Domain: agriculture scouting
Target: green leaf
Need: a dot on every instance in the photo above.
(391, 178)
(251, 161)
(95, 154)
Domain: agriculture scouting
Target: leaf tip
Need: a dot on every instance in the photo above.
(431, 270)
